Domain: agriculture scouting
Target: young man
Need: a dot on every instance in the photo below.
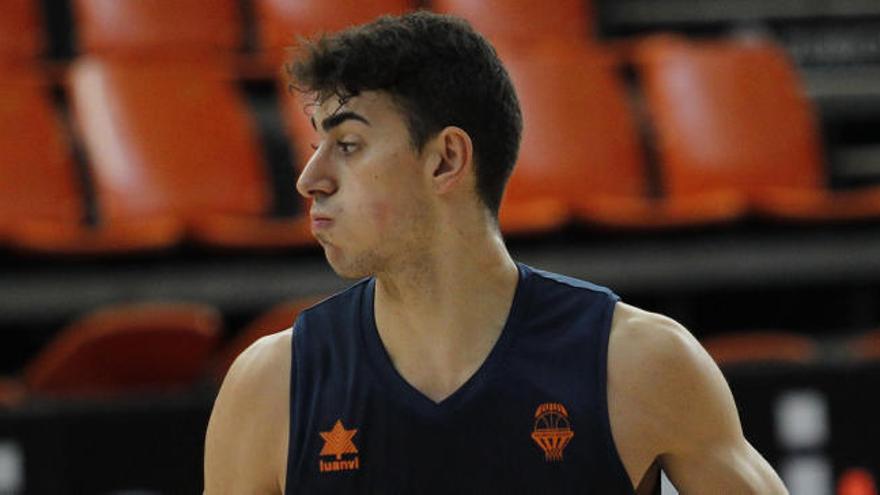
(451, 368)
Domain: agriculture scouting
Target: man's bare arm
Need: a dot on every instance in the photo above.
(689, 420)
(246, 443)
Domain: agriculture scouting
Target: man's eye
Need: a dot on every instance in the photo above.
(346, 147)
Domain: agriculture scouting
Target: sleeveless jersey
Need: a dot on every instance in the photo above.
(532, 419)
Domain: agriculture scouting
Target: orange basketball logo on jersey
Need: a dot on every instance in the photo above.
(337, 443)
(552, 430)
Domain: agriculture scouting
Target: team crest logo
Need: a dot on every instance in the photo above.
(552, 430)
(338, 443)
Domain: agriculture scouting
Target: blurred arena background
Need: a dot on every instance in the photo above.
(714, 160)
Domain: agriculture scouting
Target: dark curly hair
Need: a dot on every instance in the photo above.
(438, 70)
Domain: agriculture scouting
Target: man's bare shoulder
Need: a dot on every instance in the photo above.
(645, 350)
(259, 375)
(656, 362)
(631, 322)
(668, 401)
(246, 443)
(645, 343)
(257, 366)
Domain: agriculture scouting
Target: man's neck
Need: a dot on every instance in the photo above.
(440, 316)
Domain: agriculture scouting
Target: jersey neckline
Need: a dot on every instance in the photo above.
(402, 391)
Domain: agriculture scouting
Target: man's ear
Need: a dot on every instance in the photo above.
(453, 158)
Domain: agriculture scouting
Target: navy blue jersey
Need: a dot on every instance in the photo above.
(532, 419)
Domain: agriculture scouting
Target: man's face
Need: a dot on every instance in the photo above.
(368, 186)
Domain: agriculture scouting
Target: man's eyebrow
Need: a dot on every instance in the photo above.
(337, 119)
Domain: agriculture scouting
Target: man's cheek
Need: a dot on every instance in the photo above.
(381, 214)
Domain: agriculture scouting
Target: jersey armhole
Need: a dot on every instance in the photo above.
(291, 427)
(616, 463)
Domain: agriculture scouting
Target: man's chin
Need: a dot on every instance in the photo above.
(348, 272)
(343, 266)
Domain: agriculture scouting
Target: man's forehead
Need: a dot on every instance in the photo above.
(364, 103)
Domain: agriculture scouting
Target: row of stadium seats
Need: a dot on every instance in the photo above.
(765, 346)
(172, 151)
(205, 27)
(136, 348)
(171, 148)
(733, 133)
(157, 347)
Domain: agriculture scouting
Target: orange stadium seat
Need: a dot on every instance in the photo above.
(856, 481)
(732, 116)
(865, 346)
(523, 20)
(761, 347)
(37, 178)
(581, 154)
(174, 142)
(21, 35)
(158, 27)
(121, 349)
(12, 392)
(41, 204)
(276, 319)
(282, 21)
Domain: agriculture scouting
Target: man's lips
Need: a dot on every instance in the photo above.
(320, 221)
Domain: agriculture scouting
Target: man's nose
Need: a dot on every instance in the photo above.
(316, 179)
